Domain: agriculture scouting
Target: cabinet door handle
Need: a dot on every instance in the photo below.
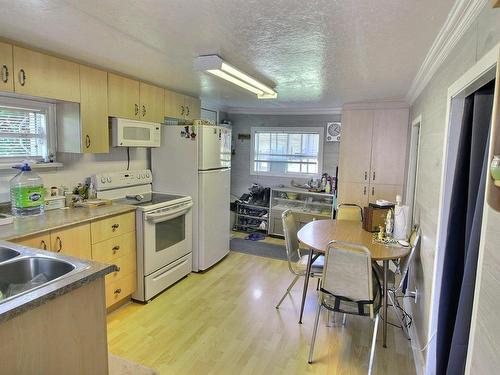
(87, 141)
(182, 110)
(136, 109)
(115, 249)
(59, 244)
(143, 110)
(364, 190)
(373, 190)
(118, 291)
(366, 175)
(114, 227)
(43, 245)
(373, 175)
(22, 77)
(5, 74)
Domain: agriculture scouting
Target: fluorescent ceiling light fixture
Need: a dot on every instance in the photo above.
(213, 64)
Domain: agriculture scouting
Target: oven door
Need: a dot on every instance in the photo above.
(167, 235)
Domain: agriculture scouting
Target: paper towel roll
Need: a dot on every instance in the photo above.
(401, 222)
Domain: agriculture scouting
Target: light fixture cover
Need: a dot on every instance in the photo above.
(214, 64)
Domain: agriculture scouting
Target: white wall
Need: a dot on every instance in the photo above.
(483, 35)
(79, 166)
(241, 179)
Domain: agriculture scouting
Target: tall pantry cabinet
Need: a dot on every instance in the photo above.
(372, 154)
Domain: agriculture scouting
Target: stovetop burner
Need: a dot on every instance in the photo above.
(148, 199)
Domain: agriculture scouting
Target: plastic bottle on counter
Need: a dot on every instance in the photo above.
(27, 194)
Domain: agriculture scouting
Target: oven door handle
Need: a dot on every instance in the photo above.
(156, 218)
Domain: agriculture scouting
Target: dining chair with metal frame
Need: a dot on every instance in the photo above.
(395, 291)
(350, 212)
(349, 286)
(297, 263)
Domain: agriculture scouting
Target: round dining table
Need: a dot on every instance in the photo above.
(318, 233)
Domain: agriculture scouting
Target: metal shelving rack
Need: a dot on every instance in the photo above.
(250, 216)
(306, 206)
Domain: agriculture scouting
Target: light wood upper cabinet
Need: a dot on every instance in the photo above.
(7, 68)
(388, 155)
(372, 155)
(193, 107)
(38, 241)
(123, 97)
(152, 103)
(74, 241)
(181, 107)
(46, 76)
(94, 110)
(174, 105)
(355, 146)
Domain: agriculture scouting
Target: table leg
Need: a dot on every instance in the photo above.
(386, 268)
(306, 283)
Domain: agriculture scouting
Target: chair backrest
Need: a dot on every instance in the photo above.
(350, 212)
(404, 263)
(291, 239)
(348, 272)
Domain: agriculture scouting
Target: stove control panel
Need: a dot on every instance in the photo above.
(115, 180)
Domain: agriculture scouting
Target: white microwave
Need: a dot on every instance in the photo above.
(132, 133)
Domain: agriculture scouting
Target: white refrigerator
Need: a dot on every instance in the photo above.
(196, 160)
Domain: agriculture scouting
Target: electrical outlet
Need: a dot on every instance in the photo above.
(414, 295)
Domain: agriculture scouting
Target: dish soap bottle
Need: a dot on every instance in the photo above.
(27, 194)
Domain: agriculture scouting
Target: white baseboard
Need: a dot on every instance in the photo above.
(418, 356)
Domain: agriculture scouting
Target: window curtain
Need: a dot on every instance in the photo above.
(464, 231)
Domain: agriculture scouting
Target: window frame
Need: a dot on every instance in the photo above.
(50, 132)
(288, 130)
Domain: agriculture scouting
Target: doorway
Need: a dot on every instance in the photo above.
(477, 77)
(413, 167)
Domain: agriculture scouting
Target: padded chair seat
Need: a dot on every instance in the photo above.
(350, 307)
(317, 266)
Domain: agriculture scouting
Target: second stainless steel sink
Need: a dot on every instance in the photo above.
(26, 274)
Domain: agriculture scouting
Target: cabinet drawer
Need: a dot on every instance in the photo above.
(110, 250)
(120, 289)
(114, 226)
(126, 265)
(39, 241)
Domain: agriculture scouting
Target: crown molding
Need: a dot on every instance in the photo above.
(283, 111)
(384, 104)
(461, 16)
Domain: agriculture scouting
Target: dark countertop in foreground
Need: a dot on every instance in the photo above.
(56, 219)
(86, 272)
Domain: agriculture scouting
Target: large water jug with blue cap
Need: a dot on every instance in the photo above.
(27, 194)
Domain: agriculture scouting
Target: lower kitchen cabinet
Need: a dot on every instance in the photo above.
(113, 241)
(73, 241)
(110, 240)
(385, 192)
(120, 289)
(38, 241)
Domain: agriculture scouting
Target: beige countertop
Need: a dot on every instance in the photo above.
(56, 219)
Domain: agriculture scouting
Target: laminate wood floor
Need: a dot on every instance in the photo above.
(223, 321)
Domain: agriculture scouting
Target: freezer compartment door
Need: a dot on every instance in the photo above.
(214, 147)
(213, 217)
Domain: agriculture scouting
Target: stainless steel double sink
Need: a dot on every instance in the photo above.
(23, 270)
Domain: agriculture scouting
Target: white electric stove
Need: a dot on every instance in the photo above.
(164, 228)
